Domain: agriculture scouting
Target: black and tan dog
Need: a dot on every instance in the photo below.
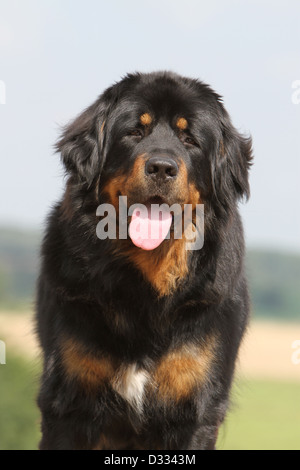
(140, 345)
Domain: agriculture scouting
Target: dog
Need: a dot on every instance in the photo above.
(140, 341)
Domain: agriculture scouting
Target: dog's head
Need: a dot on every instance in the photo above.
(161, 138)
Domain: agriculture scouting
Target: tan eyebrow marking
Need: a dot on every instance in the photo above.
(146, 119)
(182, 123)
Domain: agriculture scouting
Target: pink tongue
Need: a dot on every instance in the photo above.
(149, 226)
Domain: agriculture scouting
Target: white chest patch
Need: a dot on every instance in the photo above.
(130, 384)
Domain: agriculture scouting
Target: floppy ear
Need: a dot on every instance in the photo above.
(231, 165)
(81, 144)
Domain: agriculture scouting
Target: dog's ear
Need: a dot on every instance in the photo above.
(231, 165)
(82, 142)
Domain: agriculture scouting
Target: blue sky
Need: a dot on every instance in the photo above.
(57, 56)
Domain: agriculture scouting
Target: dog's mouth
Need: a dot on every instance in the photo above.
(150, 223)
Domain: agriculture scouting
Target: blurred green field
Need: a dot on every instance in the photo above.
(19, 416)
(264, 414)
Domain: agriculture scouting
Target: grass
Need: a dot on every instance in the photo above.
(265, 414)
(19, 416)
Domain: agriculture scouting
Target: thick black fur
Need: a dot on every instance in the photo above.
(85, 283)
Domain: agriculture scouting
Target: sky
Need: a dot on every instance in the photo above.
(57, 56)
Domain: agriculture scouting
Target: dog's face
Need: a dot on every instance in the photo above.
(158, 138)
(156, 145)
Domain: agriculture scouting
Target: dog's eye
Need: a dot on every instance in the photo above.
(136, 133)
(190, 141)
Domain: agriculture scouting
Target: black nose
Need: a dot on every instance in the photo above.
(161, 168)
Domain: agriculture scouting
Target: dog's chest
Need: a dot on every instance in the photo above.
(172, 377)
(130, 383)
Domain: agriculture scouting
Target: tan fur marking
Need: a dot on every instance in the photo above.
(222, 149)
(136, 177)
(189, 190)
(194, 195)
(90, 371)
(146, 119)
(182, 370)
(103, 443)
(113, 188)
(164, 267)
(182, 123)
(123, 184)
